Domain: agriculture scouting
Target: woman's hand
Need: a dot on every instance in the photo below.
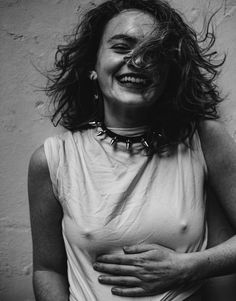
(143, 270)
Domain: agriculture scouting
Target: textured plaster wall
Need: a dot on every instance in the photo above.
(30, 31)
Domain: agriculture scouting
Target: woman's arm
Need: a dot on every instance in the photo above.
(219, 230)
(220, 154)
(49, 257)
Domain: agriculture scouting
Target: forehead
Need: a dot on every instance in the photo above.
(134, 23)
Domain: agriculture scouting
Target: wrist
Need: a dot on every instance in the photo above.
(196, 268)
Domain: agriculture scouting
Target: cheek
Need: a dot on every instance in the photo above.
(162, 80)
(156, 91)
(103, 70)
(106, 70)
(162, 74)
(108, 62)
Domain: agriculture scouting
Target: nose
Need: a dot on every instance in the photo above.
(132, 63)
(127, 59)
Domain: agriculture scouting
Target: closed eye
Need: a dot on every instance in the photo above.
(121, 48)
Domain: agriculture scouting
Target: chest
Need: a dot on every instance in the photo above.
(150, 201)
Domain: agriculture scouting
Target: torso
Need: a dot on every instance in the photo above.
(111, 198)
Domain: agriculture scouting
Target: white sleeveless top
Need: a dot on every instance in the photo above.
(112, 198)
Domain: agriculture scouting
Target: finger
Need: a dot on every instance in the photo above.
(126, 259)
(127, 281)
(115, 269)
(139, 248)
(129, 292)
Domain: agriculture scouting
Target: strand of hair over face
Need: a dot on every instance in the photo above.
(191, 94)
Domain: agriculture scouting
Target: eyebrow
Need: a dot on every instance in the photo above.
(125, 37)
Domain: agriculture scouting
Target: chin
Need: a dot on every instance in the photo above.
(136, 99)
(135, 102)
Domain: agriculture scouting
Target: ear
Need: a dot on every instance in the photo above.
(93, 75)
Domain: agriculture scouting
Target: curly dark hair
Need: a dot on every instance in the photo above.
(192, 94)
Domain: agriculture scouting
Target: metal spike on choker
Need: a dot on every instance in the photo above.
(148, 140)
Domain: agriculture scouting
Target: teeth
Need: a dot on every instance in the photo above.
(133, 80)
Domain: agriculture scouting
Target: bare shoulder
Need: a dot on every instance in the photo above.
(218, 146)
(39, 181)
(212, 129)
(38, 161)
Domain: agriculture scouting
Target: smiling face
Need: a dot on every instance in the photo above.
(120, 82)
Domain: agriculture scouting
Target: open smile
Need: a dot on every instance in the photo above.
(133, 80)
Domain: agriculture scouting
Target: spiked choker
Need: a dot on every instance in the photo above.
(149, 140)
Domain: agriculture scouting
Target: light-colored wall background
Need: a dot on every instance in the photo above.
(30, 31)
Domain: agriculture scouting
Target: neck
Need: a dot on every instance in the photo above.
(115, 116)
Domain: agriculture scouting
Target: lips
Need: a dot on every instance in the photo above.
(133, 80)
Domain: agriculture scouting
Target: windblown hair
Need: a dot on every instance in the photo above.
(191, 94)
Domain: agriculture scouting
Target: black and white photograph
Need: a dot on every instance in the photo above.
(118, 150)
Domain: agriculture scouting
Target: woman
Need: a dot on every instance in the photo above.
(118, 201)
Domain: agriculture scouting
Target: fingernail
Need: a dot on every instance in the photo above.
(114, 290)
(95, 265)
